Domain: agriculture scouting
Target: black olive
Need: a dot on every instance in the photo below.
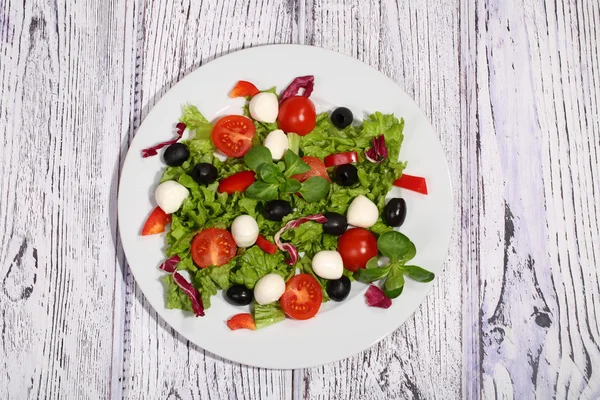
(341, 117)
(204, 173)
(277, 209)
(239, 295)
(336, 223)
(346, 175)
(339, 289)
(176, 154)
(394, 212)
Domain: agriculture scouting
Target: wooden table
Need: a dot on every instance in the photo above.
(512, 88)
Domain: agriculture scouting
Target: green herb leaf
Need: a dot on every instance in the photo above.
(396, 246)
(372, 272)
(290, 186)
(263, 191)
(418, 274)
(294, 164)
(394, 284)
(314, 189)
(257, 156)
(269, 173)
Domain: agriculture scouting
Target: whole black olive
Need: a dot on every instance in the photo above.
(341, 117)
(204, 173)
(336, 223)
(346, 175)
(239, 295)
(394, 212)
(176, 154)
(339, 289)
(275, 210)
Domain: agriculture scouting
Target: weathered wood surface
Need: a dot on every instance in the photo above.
(513, 88)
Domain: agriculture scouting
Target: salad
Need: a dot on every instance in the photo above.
(282, 208)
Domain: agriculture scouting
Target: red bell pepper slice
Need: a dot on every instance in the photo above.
(243, 89)
(265, 245)
(414, 183)
(241, 321)
(341, 159)
(156, 222)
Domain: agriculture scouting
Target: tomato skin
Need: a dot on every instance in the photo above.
(302, 297)
(156, 222)
(317, 168)
(297, 114)
(341, 159)
(414, 183)
(213, 246)
(233, 134)
(238, 182)
(241, 321)
(357, 246)
(265, 245)
(243, 89)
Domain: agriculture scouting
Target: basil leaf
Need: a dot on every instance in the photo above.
(294, 164)
(290, 186)
(270, 173)
(396, 246)
(418, 274)
(372, 273)
(314, 189)
(262, 191)
(394, 284)
(257, 156)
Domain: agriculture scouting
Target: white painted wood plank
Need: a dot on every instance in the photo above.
(174, 38)
(60, 123)
(417, 45)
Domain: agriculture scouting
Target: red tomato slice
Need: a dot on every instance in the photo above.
(341, 159)
(357, 246)
(265, 245)
(297, 114)
(241, 321)
(233, 135)
(317, 168)
(414, 183)
(213, 246)
(238, 182)
(156, 222)
(302, 297)
(243, 89)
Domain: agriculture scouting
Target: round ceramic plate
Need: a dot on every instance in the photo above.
(339, 330)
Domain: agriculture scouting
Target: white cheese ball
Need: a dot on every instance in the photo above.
(170, 195)
(277, 142)
(264, 107)
(269, 288)
(328, 264)
(362, 212)
(244, 230)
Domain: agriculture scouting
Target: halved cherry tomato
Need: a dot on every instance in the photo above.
(414, 183)
(213, 246)
(243, 89)
(357, 246)
(302, 297)
(156, 222)
(238, 182)
(317, 168)
(265, 245)
(297, 114)
(233, 135)
(341, 159)
(241, 321)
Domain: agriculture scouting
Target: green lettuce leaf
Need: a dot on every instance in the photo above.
(255, 263)
(268, 314)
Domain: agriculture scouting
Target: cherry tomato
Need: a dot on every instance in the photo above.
(297, 114)
(238, 182)
(302, 297)
(341, 159)
(414, 183)
(233, 134)
(213, 246)
(265, 245)
(156, 222)
(243, 89)
(357, 246)
(317, 168)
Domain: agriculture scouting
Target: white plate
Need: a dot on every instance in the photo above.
(339, 330)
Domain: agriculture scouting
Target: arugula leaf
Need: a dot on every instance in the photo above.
(294, 164)
(314, 189)
(418, 274)
(257, 156)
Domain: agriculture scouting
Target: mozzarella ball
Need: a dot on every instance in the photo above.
(170, 196)
(244, 230)
(269, 288)
(328, 264)
(264, 107)
(220, 155)
(362, 212)
(277, 142)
